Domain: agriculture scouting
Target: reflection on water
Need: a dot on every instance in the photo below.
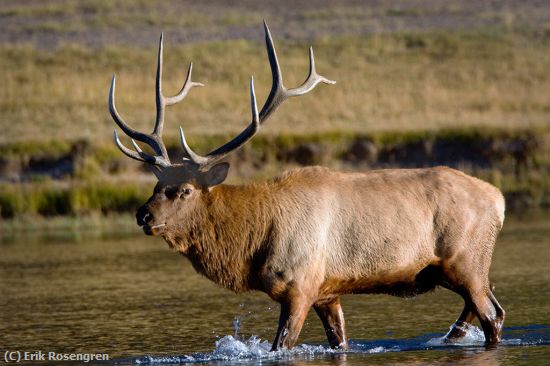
(131, 297)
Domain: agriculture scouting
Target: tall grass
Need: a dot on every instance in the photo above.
(104, 181)
(77, 199)
(425, 81)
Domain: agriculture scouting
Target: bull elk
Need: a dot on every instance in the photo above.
(311, 235)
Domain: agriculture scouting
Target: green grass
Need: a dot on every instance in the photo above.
(107, 182)
(414, 81)
(53, 199)
(530, 190)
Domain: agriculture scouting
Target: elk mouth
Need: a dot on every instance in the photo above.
(153, 229)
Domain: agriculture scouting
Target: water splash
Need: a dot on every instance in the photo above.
(473, 337)
(378, 349)
(236, 324)
(230, 348)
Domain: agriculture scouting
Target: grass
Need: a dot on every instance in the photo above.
(411, 81)
(39, 10)
(23, 202)
(106, 182)
(95, 15)
(54, 199)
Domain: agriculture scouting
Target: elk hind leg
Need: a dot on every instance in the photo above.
(500, 313)
(332, 316)
(488, 315)
(479, 302)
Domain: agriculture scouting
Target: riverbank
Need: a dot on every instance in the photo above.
(83, 179)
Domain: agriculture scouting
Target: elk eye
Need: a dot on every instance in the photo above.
(186, 192)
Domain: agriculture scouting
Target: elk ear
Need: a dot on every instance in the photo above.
(215, 175)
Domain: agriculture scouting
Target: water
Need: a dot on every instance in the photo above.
(134, 299)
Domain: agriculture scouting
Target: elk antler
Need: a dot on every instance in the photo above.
(278, 94)
(154, 140)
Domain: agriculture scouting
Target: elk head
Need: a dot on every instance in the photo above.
(181, 185)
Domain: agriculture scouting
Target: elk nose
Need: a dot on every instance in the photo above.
(143, 216)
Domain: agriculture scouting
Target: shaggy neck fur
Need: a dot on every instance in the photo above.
(225, 238)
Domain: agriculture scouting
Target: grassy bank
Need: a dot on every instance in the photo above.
(53, 199)
(410, 81)
(72, 180)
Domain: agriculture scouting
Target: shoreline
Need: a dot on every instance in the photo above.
(96, 181)
(73, 228)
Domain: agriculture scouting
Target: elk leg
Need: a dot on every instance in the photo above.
(333, 321)
(462, 324)
(488, 317)
(291, 320)
(500, 313)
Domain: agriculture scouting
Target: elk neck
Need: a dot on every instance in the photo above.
(225, 240)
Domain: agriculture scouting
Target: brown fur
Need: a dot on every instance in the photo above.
(314, 234)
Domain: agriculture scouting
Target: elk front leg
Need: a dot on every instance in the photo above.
(291, 319)
(332, 316)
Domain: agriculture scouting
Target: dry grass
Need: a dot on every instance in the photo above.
(423, 81)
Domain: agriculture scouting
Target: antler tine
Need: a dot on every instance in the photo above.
(311, 81)
(191, 155)
(162, 100)
(179, 97)
(155, 160)
(276, 73)
(279, 93)
(159, 124)
(139, 155)
(276, 94)
(149, 140)
(125, 150)
(187, 86)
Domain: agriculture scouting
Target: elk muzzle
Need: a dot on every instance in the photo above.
(145, 219)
